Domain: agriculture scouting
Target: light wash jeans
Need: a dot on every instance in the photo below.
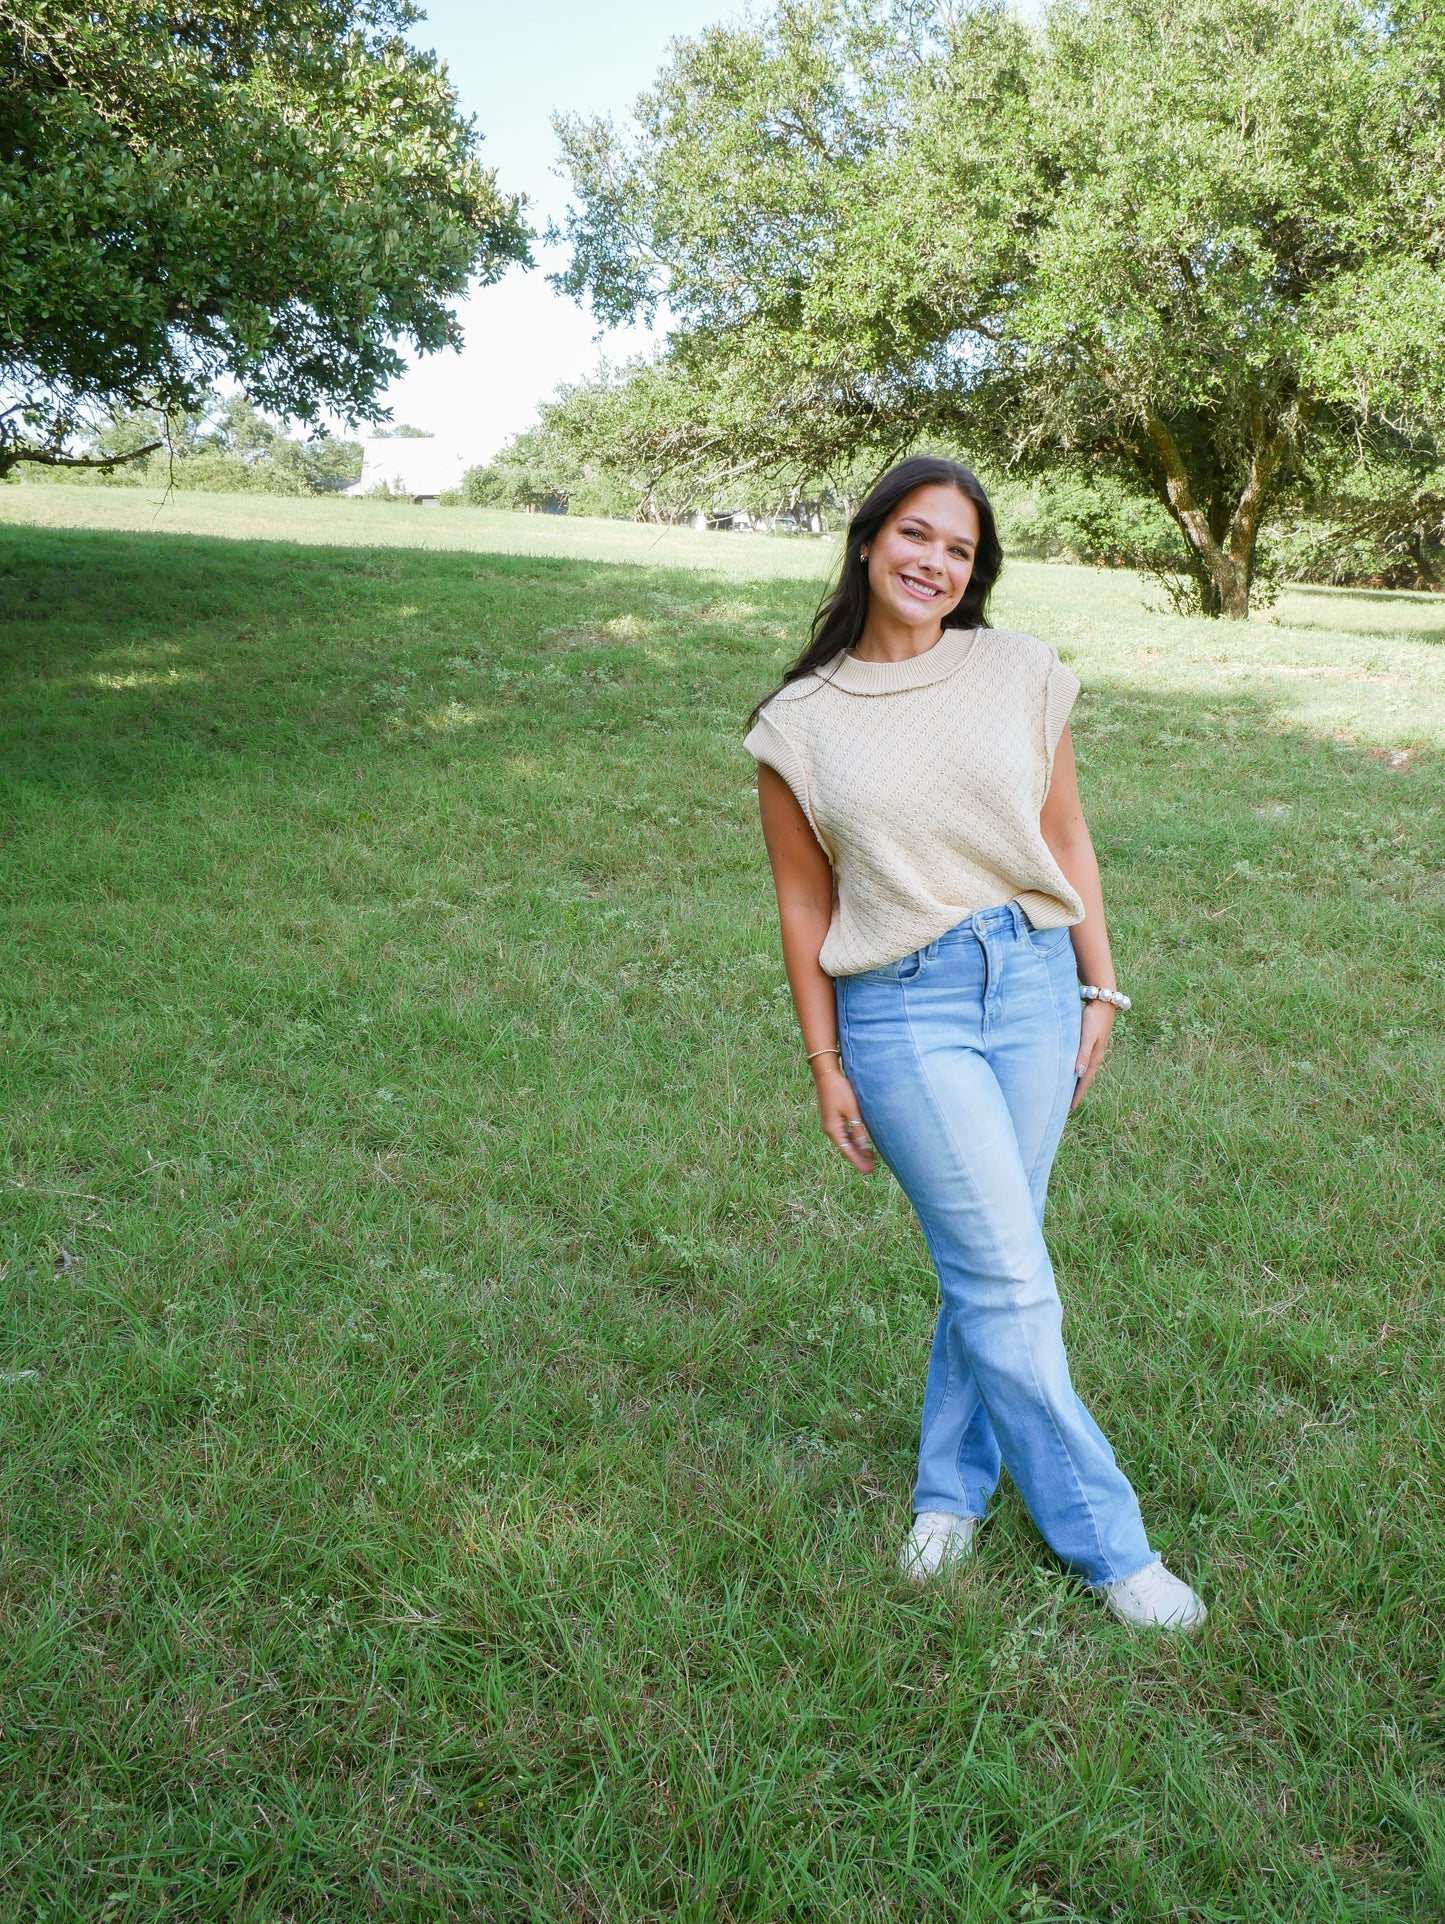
(962, 1059)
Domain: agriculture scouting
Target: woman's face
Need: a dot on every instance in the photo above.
(920, 560)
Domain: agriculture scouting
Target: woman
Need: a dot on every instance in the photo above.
(942, 923)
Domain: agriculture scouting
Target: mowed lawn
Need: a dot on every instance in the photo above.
(457, 1419)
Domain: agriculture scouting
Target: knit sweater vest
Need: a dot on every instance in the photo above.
(923, 781)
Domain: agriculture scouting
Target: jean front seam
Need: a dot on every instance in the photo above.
(1054, 1005)
(948, 1384)
(958, 1459)
(948, 1135)
(1063, 1448)
(1083, 1494)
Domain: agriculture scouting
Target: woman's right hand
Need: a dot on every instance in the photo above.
(842, 1124)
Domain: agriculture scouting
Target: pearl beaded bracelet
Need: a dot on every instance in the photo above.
(1115, 997)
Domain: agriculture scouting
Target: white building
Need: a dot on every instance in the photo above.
(417, 470)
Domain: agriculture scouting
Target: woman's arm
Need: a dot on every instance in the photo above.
(1067, 834)
(803, 878)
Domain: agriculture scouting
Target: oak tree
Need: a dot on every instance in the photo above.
(270, 192)
(1190, 244)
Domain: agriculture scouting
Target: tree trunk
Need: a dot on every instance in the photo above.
(1233, 582)
(1415, 548)
(1224, 559)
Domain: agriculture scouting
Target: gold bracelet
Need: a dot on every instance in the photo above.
(834, 1051)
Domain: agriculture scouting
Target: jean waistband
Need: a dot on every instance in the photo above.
(1007, 918)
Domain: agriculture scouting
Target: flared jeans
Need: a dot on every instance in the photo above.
(962, 1057)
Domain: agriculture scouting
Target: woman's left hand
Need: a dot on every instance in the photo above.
(1093, 1041)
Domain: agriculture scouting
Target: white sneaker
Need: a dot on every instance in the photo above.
(938, 1540)
(1155, 1597)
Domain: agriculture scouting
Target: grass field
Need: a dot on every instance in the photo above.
(458, 1422)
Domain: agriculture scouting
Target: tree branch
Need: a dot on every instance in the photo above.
(1264, 465)
(11, 457)
(1190, 516)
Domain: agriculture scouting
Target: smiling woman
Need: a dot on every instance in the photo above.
(940, 900)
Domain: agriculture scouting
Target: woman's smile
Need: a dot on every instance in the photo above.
(919, 565)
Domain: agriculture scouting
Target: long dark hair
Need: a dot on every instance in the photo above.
(839, 621)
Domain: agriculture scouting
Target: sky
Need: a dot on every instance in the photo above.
(514, 64)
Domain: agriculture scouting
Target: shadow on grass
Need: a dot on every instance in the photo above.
(177, 657)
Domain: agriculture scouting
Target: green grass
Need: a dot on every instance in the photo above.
(340, 521)
(457, 1420)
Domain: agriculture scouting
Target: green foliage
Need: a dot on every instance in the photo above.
(274, 193)
(472, 1417)
(1379, 519)
(661, 439)
(583, 453)
(230, 448)
(532, 472)
(681, 433)
(1195, 245)
(1096, 519)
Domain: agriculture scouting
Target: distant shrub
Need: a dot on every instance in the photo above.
(1095, 519)
(229, 449)
(494, 486)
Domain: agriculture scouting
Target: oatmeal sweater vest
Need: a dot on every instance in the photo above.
(923, 781)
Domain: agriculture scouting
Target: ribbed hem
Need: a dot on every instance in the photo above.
(1046, 911)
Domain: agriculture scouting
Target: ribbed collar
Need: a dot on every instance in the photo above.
(856, 677)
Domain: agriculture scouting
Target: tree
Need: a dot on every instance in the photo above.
(1188, 245)
(1376, 519)
(273, 192)
(660, 439)
(228, 446)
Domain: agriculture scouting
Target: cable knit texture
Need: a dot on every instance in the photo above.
(923, 781)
